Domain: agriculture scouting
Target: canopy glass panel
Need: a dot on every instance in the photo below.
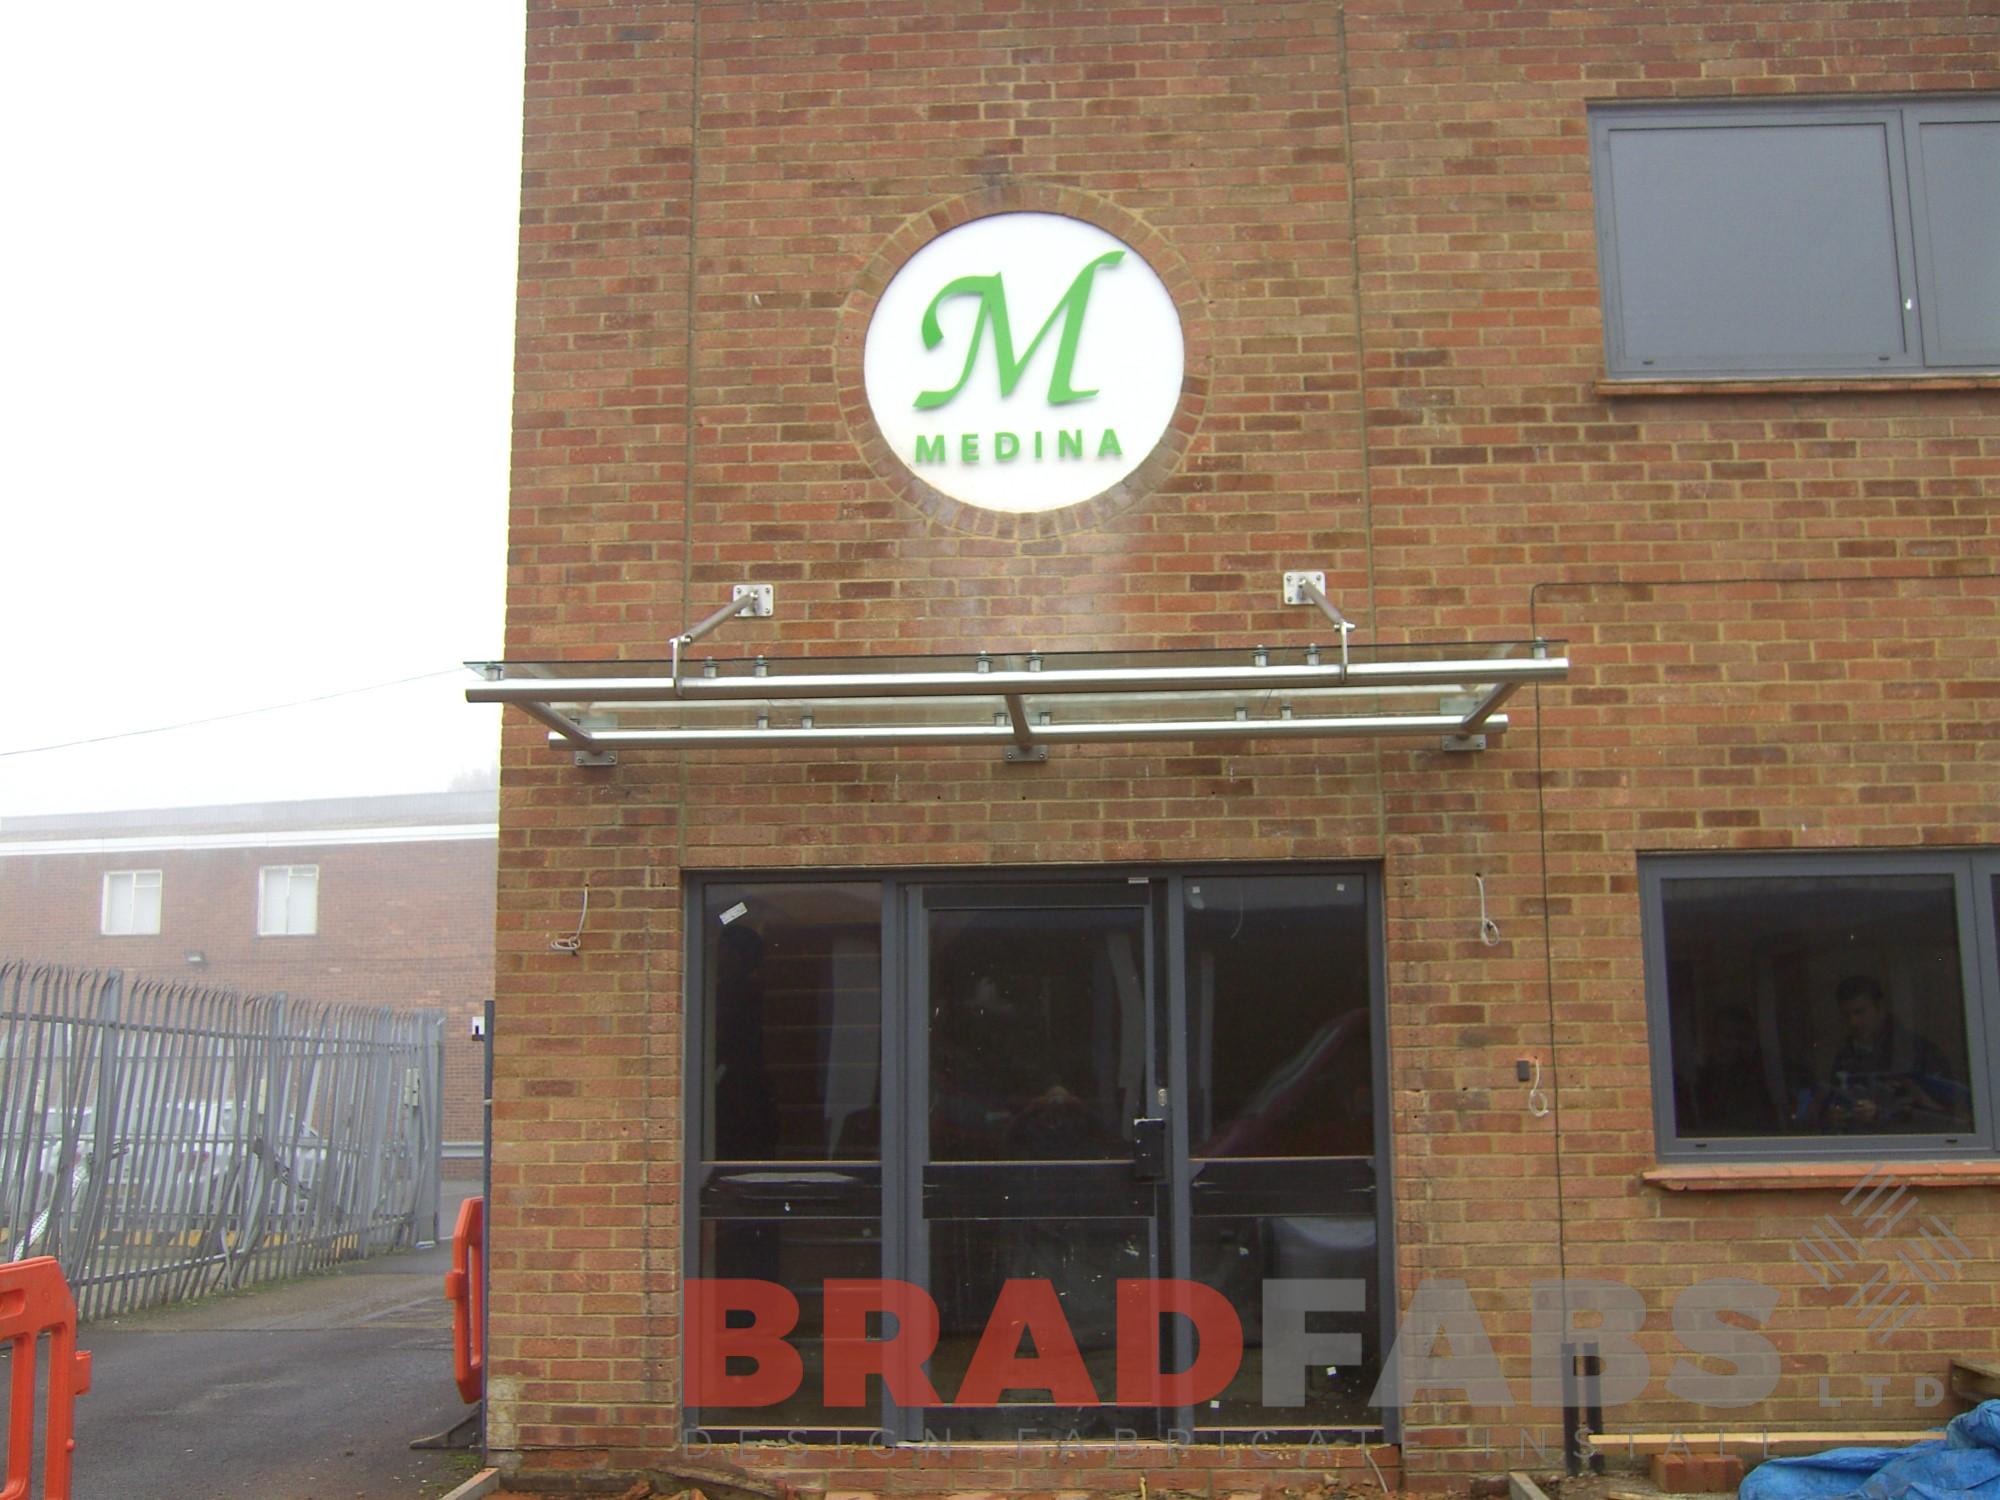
(1024, 702)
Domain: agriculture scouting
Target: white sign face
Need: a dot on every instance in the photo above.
(1023, 362)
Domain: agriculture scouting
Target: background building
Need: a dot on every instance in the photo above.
(378, 900)
(1668, 334)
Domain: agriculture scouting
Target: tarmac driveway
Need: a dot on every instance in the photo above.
(310, 1390)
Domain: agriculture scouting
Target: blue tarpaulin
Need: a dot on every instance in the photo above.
(1965, 1462)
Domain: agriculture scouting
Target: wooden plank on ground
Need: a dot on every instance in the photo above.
(1973, 1382)
(1752, 1446)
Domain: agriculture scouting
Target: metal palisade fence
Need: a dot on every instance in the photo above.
(165, 1139)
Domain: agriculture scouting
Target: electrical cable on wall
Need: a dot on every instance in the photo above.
(1489, 930)
(1538, 1102)
(573, 944)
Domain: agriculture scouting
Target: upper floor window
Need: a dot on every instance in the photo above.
(287, 900)
(1826, 1005)
(1827, 238)
(131, 903)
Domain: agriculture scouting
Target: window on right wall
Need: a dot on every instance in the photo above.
(1828, 238)
(1833, 1006)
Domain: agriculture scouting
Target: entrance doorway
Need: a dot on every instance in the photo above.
(967, 1084)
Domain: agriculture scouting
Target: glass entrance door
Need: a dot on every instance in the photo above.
(1168, 1077)
(1043, 1142)
(1018, 1091)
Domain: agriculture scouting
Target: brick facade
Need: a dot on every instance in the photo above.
(405, 919)
(1781, 603)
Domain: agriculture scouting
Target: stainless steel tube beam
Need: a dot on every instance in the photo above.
(1326, 607)
(728, 611)
(1361, 727)
(1482, 711)
(567, 730)
(1017, 715)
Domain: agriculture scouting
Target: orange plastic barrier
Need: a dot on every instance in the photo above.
(465, 1290)
(34, 1300)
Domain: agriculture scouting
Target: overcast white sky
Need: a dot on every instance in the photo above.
(255, 365)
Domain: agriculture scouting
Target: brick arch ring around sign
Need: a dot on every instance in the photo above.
(1158, 466)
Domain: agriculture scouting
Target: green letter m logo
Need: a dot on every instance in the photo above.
(992, 297)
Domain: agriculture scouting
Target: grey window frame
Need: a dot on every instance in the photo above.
(900, 1149)
(1900, 118)
(1971, 110)
(1970, 871)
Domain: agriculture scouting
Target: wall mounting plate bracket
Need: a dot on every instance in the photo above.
(1462, 706)
(763, 597)
(1294, 594)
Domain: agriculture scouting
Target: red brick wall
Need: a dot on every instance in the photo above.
(708, 194)
(406, 924)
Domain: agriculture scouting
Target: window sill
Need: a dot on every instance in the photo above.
(1792, 385)
(1760, 1177)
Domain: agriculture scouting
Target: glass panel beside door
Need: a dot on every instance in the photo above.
(1282, 1130)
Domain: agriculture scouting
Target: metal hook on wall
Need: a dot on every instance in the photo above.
(1489, 930)
(574, 942)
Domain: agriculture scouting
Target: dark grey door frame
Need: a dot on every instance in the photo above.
(1161, 889)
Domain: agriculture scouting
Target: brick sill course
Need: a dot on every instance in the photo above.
(1756, 1177)
(1794, 385)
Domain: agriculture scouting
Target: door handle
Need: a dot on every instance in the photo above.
(1149, 1149)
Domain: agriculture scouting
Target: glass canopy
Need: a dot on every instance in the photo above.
(1024, 702)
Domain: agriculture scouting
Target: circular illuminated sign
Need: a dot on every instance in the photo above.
(1023, 362)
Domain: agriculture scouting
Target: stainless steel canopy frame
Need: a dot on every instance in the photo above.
(1022, 703)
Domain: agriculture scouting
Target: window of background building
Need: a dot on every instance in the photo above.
(131, 904)
(1808, 238)
(1832, 1006)
(288, 900)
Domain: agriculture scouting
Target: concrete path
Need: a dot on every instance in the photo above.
(310, 1390)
